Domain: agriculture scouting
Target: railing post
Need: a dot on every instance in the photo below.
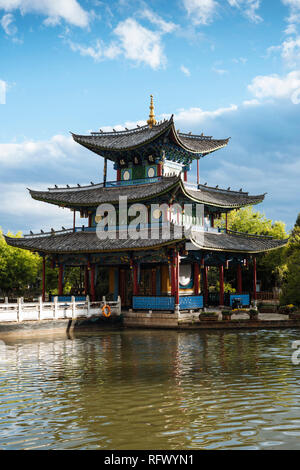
(19, 310)
(6, 300)
(119, 305)
(55, 307)
(73, 307)
(40, 308)
(88, 305)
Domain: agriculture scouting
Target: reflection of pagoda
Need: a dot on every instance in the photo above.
(152, 163)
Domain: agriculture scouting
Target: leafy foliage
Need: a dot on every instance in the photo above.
(19, 269)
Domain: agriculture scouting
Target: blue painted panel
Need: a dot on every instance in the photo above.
(190, 302)
(245, 299)
(67, 298)
(153, 303)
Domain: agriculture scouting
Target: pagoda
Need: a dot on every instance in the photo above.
(157, 273)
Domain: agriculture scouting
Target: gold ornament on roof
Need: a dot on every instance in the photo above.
(151, 121)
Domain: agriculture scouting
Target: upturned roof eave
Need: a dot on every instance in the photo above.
(189, 149)
(260, 199)
(108, 150)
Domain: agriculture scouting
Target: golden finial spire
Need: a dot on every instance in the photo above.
(151, 121)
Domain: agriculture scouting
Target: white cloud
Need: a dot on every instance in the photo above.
(12, 155)
(98, 52)
(195, 116)
(185, 70)
(27, 214)
(201, 11)
(274, 86)
(3, 88)
(254, 102)
(294, 16)
(7, 24)
(290, 51)
(219, 71)
(164, 26)
(140, 44)
(54, 10)
(248, 7)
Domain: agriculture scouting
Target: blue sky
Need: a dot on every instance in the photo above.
(228, 68)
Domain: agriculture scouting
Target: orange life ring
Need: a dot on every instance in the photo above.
(106, 310)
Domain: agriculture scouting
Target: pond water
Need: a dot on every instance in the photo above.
(134, 389)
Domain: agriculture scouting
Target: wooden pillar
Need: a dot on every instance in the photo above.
(176, 276)
(254, 279)
(74, 220)
(153, 281)
(212, 220)
(222, 285)
(90, 220)
(119, 175)
(86, 280)
(159, 169)
(172, 276)
(135, 280)
(60, 280)
(105, 172)
(226, 222)
(196, 278)
(239, 280)
(92, 287)
(44, 280)
(205, 284)
(122, 285)
(185, 176)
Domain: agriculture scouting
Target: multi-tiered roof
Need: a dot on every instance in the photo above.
(153, 146)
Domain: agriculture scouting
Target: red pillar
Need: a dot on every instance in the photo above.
(239, 280)
(172, 276)
(60, 280)
(153, 279)
(254, 279)
(44, 280)
(159, 169)
(185, 176)
(222, 285)
(86, 280)
(196, 278)
(135, 280)
(176, 263)
(92, 289)
(118, 175)
(205, 284)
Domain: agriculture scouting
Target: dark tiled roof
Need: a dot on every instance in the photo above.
(95, 195)
(122, 140)
(231, 242)
(110, 142)
(223, 198)
(84, 242)
(201, 144)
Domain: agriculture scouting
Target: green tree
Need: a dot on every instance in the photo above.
(19, 269)
(271, 266)
(291, 286)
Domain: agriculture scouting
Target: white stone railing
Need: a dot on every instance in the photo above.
(20, 311)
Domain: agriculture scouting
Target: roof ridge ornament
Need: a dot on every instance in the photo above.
(151, 121)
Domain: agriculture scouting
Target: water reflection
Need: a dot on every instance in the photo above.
(151, 390)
